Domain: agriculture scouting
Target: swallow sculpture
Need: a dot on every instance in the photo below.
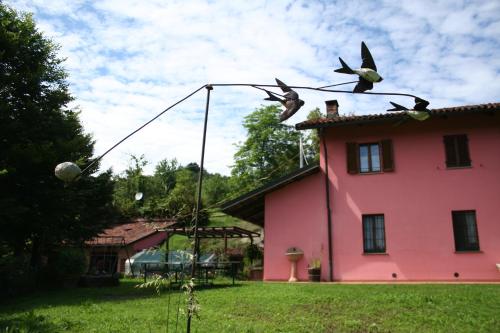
(291, 100)
(419, 111)
(367, 73)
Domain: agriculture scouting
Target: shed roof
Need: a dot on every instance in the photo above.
(128, 233)
(250, 206)
(213, 232)
(391, 116)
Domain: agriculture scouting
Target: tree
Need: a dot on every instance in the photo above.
(37, 131)
(270, 150)
(216, 189)
(128, 186)
(313, 136)
(181, 202)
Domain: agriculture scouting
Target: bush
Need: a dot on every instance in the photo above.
(63, 265)
(253, 252)
(69, 262)
(16, 275)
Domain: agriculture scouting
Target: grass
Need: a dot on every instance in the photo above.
(263, 307)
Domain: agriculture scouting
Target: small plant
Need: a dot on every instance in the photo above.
(314, 270)
(158, 283)
(253, 252)
(315, 264)
(193, 306)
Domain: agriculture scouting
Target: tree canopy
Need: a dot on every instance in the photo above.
(270, 150)
(169, 193)
(38, 131)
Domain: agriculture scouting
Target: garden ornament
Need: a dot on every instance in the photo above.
(67, 171)
(367, 73)
(419, 111)
(292, 103)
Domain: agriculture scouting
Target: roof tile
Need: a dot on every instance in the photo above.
(348, 120)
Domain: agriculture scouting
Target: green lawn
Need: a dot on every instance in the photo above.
(263, 307)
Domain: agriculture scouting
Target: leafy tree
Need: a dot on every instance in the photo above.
(126, 187)
(170, 192)
(270, 150)
(165, 174)
(216, 188)
(313, 136)
(181, 202)
(37, 131)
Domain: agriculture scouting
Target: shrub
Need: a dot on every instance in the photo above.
(65, 264)
(16, 275)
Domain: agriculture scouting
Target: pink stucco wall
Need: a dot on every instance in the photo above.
(293, 218)
(150, 241)
(416, 200)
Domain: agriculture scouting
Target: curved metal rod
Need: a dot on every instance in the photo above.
(269, 91)
(338, 84)
(255, 85)
(141, 127)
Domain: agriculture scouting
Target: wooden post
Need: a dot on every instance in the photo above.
(225, 242)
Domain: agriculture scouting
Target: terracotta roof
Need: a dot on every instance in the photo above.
(376, 118)
(130, 232)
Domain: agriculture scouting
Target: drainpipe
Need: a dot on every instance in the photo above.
(328, 208)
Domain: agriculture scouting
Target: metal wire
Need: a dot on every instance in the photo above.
(338, 84)
(139, 128)
(253, 85)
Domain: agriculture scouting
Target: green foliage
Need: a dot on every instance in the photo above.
(156, 282)
(193, 305)
(313, 136)
(169, 193)
(216, 189)
(315, 263)
(270, 150)
(37, 132)
(16, 275)
(66, 263)
(253, 252)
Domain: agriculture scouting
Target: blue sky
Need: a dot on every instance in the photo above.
(129, 59)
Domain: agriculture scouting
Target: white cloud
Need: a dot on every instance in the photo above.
(128, 60)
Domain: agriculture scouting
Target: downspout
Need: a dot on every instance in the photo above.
(328, 208)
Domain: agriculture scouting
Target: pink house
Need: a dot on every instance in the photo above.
(393, 199)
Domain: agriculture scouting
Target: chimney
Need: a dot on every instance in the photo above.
(332, 109)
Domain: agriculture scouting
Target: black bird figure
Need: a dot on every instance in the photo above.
(419, 111)
(292, 103)
(367, 73)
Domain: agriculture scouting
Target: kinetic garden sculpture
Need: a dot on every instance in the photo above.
(367, 73)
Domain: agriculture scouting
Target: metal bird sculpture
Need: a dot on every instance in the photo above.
(292, 103)
(367, 73)
(419, 111)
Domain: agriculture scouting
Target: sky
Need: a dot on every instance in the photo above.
(130, 59)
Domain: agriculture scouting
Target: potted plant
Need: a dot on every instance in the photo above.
(314, 270)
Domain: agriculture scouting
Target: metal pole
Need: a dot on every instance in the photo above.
(328, 208)
(198, 200)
